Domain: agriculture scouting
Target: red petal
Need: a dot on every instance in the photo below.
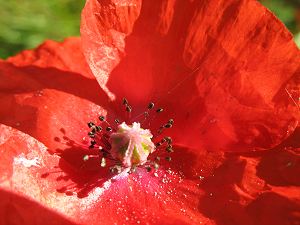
(50, 108)
(49, 104)
(64, 56)
(220, 66)
(17, 210)
(214, 189)
(28, 169)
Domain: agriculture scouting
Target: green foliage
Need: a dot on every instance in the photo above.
(284, 10)
(297, 39)
(25, 24)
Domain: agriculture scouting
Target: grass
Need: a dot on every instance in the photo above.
(25, 24)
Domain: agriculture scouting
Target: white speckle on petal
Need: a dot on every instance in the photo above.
(96, 194)
(21, 159)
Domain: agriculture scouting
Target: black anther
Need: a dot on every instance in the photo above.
(169, 148)
(101, 118)
(151, 105)
(90, 124)
(125, 101)
(171, 121)
(168, 125)
(159, 110)
(128, 108)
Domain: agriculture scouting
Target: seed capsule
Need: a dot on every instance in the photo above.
(131, 144)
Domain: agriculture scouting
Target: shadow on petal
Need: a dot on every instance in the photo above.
(281, 166)
(17, 210)
(271, 208)
(244, 188)
(79, 177)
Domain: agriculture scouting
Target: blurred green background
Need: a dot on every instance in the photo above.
(24, 24)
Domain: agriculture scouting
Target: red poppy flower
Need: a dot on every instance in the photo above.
(227, 72)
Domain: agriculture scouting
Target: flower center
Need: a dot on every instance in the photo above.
(131, 144)
(127, 145)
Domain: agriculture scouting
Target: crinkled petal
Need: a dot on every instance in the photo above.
(224, 69)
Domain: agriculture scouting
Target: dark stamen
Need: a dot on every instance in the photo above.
(158, 144)
(115, 169)
(93, 129)
(159, 110)
(151, 105)
(168, 158)
(169, 148)
(101, 118)
(125, 101)
(168, 125)
(91, 133)
(171, 121)
(117, 121)
(128, 108)
(108, 129)
(103, 162)
(90, 124)
(148, 168)
(98, 128)
(133, 169)
(93, 142)
(168, 140)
